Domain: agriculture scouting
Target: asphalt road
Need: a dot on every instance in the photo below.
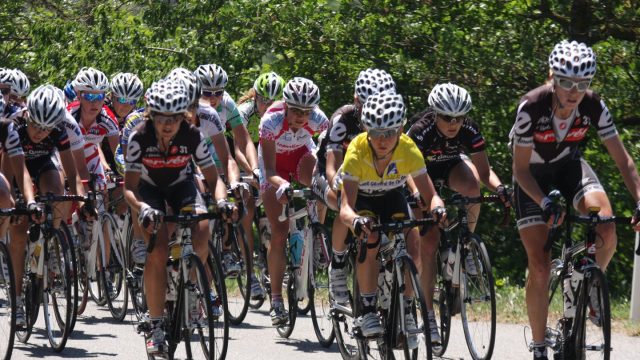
(97, 336)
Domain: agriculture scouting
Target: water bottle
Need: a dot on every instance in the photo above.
(450, 257)
(568, 295)
(264, 230)
(296, 242)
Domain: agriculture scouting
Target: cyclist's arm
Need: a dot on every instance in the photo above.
(211, 175)
(334, 160)
(81, 166)
(68, 164)
(241, 160)
(269, 158)
(228, 163)
(522, 173)
(427, 190)
(103, 160)
(349, 196)
(242, 138)
(131, 195)
(488, 177)
(113, 140)
(625, 164)
(23, 179)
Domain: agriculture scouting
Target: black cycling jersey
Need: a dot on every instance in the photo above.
(57, 139)
(534, 128)
(9, 139)
(344, 125)
(435, 146)
(165, 169)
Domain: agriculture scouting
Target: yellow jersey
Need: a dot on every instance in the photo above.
(358, 165)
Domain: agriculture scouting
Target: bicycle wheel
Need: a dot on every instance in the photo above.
(478, 299)
(71, 254)
(592, 330)
(219, 306)
(7, 304)
(343, 320)
(259, 270)
(291, 301)
(81, 266)
(31, 293)
(134, 274)
(319, 291)
(95, 283)
(57, 302)
(202, 335)
(239, 286)
(114, 278)
(442, 295)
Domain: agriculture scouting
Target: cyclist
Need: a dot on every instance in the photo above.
(376, 166)
(12, 82)
(445, 134)
(286, 149)
(20, 87)
(254, 103)
(158, 161)
(42, 134)
(551, 124)
(344, 126)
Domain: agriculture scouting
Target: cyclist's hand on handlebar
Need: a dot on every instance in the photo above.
(505, 193)
(149, 218)
(552, 212)
(439, 214)
(282, 193)
(37, 215)
(419, 201)
(229, 210)
(362, 225)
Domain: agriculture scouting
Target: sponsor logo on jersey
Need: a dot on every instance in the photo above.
(168, 162)
(392, 169)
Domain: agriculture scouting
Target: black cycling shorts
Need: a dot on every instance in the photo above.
(178, 196)
(573, 178)
(40, 165)
(386, 207)
(439, 171)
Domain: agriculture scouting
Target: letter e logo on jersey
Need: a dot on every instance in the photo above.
(392, 169)
(133, 152)
(338, 132)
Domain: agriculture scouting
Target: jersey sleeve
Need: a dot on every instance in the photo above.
(12, 141)
(318, 121)
(605, 127)
(270, 126)
(351, 166)
(336, 134)
(476, 142)
(246, 111)
(133, 160)
(210, 124)
(74, 135)
(129, 125)
(200, 149)
(62, 141)
(522, 131)
(233, 115)
(416, 164)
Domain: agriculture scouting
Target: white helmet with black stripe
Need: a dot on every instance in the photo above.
(46, 107)
(90, 79)
(127, 85)
(302, 93)
(450, 99)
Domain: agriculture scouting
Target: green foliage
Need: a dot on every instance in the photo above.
(495, 49)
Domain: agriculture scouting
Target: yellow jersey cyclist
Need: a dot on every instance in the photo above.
(375, 169)
(551, 125)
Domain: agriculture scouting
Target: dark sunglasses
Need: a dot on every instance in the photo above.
(452, 119)
(127, 101)
(167, 119)
(36, 126)
(567, 84)
(300, 112)
(93, 97)
(5, 91)
(382, 133)
(217, 93)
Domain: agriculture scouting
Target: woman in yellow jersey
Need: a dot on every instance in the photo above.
(375, 169)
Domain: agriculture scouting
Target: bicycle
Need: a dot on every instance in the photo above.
(48, 277)
(577, 334)
(7, 292)
(398, 267)
(463, 287)
(187, 274)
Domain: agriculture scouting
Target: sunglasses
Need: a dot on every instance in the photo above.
(567, 84)
(168, 119)
(216, 93)
(452, 119)
(127, 101)
(5, 91)
(36, 126)
(93, 97)
(382, 133)
(263, 99)
(300, 112)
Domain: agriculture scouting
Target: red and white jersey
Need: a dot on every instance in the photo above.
(273, 126)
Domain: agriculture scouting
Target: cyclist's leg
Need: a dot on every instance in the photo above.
(279, 230)
(464, 179)
(304, 172)
(186, 194)
(6, 202)
(50, 181)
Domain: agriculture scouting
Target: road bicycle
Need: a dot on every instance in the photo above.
(464, 281)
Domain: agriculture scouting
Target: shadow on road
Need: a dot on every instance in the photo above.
(307, 346)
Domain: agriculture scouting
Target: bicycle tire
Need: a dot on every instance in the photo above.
(96, 286)
(7, 302)
(476, 289)
(257, 270)
(342, 323)
(318, 285)
(206, 342)
(31, 290)
(425, 349)
(292, 304)
(117, 301)
(57, 319)
(587, 335)
(71, 254)
(442, 295)
(219, 299)
(238, 300)
(134, 276)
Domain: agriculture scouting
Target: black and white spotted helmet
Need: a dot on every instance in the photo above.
(212, 76)
(90, 79)
(20, 85)
(449, 99)
(6, 76)
(168, 96)
(46, 107)
(127, 85)
(383, 111)
(190, 82)
(373, 81)
(573, 59)
(301, 92)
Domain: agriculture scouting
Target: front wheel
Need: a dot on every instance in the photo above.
(114, 280)
(477, 299)
(318, 285)
(7, 304)
(442, 298)
(291, 302)
(592, 330)
(219, 305)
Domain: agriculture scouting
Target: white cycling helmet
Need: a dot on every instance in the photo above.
(190, 82)
(6, 76)
(90, 79)
(301, 92)
(46, 106)
(373, 81)
(572, 59)
(383, 111)
(20, 84)
(168, 96)
(212, 76)
(449, 99)
(127, 85)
